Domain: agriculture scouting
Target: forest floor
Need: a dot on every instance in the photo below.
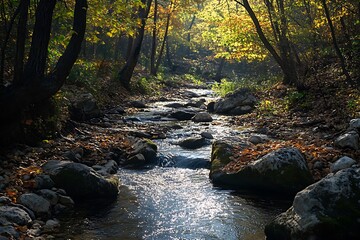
(310, 121)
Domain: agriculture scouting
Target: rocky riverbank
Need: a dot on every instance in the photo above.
(41, 183)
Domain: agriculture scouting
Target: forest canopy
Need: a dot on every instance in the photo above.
(41, 40)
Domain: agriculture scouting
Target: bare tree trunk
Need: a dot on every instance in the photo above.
(153, 43)
(283, 59)
(20, 41)
(220, 68)
(127, 71)
(4, 45)
(158, 62)
(168, 56)
(335, 43)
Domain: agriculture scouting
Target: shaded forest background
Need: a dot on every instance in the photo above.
(51, 49)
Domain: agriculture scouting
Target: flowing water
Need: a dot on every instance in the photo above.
(177, 203)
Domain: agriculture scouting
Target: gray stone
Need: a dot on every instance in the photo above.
(210, 107)
(109, 168)
(136, 161)
(84, 107)
(15, 215)
(318, 165)
(66, 201)
(44, 182)
(50, 195)
(342, 163)
(51, 225)
(5, 200)
(138, 104)
(193, 143)
(348, 140)
(202, 117)
(327, 209)
(240, 102)
(175, 105)
(207, 135)
(283, 171)
(182, 115)
(35, 203)
(256, 139)
(354, 124)
(146, 147)
(81, 181)
(240, 110)
(8, 231)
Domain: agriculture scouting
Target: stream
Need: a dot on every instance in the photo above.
(171, 200)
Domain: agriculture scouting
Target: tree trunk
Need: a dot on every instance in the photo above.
(20, 41)
(4, 44)
(218, 74)
(153, 43)
(168, 56)
(335, 43)
(36, 64)
(37, 87)
(158, 62)
(127, 71)
(284, 59)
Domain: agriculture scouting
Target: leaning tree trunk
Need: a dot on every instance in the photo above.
(163, 43)
(127, 71)
(153, 40)
(20, 41)
(287, 67)
(36, 86)
(335, 43)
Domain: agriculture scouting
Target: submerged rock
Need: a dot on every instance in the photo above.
(327, 209)
(81, 181)
(283, 171)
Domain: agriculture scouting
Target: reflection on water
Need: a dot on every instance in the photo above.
(175, 203)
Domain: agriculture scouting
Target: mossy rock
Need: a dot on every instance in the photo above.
(221, 154)
(284, 171)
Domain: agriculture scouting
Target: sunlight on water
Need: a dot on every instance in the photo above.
(165, 203)
(175, 203)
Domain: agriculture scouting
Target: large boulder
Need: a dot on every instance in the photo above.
(81, 181)
(283, 171)
(239, 102)
(328, 209)
(84, 107)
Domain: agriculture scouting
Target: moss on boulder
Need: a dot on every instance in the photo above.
(283, 171)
